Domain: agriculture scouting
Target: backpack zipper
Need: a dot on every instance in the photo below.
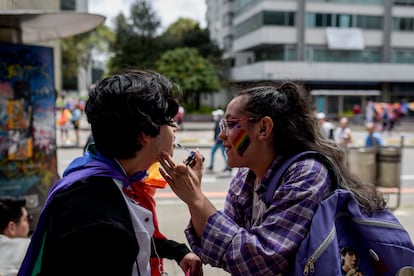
(318, 252)
(379, 223)
(309, 266)
(371, 222)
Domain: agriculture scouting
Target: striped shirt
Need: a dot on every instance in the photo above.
(230, 241)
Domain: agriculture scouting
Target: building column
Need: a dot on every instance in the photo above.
(386, 93)
(340, 105)
(300, 28)
(386, 30)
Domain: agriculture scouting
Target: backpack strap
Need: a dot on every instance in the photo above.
(277, 178)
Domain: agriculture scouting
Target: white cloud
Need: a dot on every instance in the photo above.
(167, 10)
(170, 10)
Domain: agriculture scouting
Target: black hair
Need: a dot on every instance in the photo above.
(347, 249)
(10, 210)
(296, 130)
(122, 107)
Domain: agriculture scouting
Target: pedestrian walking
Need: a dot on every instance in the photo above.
(75, 120)
(218, 143)
(63, 122)
(326, 127)
(373, 137)
(343, 133)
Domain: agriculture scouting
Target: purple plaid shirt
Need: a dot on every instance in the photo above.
(230, 241)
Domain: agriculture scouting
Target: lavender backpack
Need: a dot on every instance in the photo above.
(377, 242)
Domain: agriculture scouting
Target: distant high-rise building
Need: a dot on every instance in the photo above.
(78, 84)
(345, 52)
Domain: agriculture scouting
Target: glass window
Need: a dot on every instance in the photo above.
(69, 5)
(279, 18)
(228, 42)
(323, 20)
(326, 55)
(227, 19)
(369, 22)
(344, 21)
(319, 20)
(364, 2)
(280, 53)
(310, 19)
(404, 2)
(403, 24)
(402, 56)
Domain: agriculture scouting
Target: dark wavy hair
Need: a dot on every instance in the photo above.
(122, 107)
(296, 129)
(10, 210)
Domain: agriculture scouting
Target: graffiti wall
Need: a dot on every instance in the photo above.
(28, 164)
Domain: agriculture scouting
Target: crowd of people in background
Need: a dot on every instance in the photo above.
(387, 115)
(378, 118)
(69, 113)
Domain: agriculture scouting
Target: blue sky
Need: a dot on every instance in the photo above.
(168, 10)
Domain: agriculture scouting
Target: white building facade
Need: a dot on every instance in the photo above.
(345, 52)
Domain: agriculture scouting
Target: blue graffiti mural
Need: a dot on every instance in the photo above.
(27, 120)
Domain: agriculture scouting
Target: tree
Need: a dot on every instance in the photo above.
(173, 35)
(77, 51)
(187, 33)
(191, 71)
(136, 43)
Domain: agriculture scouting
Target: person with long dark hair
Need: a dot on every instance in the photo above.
(263, 126)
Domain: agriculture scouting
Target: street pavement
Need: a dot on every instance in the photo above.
(173, 215)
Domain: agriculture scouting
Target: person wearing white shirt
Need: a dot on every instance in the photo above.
(14, 234)
(343, 134)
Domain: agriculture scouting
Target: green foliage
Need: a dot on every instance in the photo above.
(77, 50)
(187, 33)
(191, 71)
(184, 51)
(179, 28)
(136, 43)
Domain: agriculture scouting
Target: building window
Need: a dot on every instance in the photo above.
(403, 24)
(278, 18)
(228, 19)
(369, 22)
(279, 53)
(321, 20)
(344, 21)
(241, 5)
(68, 5)
(404, 2)
(402, 56)
(359, 2)
(228, 42)
(356, 56)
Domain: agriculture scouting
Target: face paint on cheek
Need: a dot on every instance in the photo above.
(241, 142)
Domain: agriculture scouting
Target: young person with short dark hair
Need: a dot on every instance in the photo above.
(89, 224)
(14, 232)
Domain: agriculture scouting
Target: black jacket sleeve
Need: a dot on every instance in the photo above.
(169, 249)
